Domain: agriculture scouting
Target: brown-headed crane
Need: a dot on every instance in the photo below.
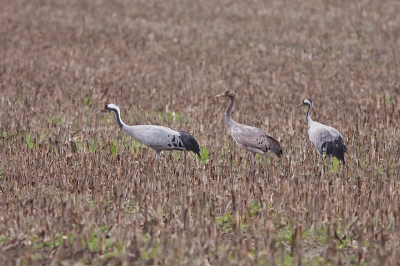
(252, 139)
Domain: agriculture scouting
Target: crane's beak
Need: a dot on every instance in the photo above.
(302, 104)
(220, 95)
(102, 111)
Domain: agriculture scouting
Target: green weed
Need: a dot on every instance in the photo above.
(204, 155)
(114, 146)
(29, 141)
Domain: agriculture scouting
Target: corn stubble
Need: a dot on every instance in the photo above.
(74, 187)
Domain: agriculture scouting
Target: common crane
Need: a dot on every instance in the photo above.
(252, 139)
(325, 139)
(157, 137)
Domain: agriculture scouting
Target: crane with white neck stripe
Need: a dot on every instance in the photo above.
(158, 138)
(325, 139)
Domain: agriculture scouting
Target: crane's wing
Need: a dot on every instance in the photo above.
(255, 138)
(321, 134)
(327, 139)
(163, 138)
(156, 137)
(189, 142)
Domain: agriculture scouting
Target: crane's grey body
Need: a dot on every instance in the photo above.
(252, 139)
(321, 135)
(325, 139)
(157, 137)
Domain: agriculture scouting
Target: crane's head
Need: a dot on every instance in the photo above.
(227, 93)
(109, 107)
(307, 102)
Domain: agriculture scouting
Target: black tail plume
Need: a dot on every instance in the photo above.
(337, 149)
(274, 146)
(189, 142)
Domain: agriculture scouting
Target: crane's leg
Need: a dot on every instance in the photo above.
(157, 159)
(254, 165)
(328, 163)
(185, 162)
(185, 159)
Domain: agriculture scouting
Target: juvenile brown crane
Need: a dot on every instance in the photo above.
(252, 139)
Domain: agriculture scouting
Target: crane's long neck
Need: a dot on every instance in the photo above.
(228, 117)
(308, 117)
(119, 120)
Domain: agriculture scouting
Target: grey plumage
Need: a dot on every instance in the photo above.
(252, 139)
(325, 139)
(157, 137)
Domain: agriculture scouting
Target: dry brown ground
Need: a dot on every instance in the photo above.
(75, 188)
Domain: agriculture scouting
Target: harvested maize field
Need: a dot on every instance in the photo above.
(77, 190)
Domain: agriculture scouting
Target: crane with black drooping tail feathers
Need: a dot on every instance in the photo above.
(252, 139)
(325, 139)
(158, 138)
